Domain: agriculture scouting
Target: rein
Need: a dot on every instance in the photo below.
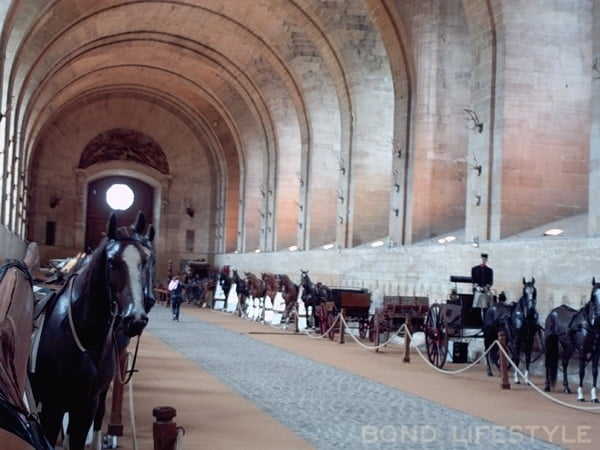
(113, 313)
(130, 372)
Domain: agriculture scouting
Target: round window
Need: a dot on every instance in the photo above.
(120, 197)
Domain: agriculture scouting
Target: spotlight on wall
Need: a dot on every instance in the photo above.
(328, 246)
(553, 232)
(293, 248)
(377, 244)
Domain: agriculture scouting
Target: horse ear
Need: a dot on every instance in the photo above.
(532, 280)
(140, 223)
(112, 226)
(524, 282)
(151, 232)
(594, 281)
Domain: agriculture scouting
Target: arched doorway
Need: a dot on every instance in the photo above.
(99, 209)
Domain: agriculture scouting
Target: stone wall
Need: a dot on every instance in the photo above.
(563, 268)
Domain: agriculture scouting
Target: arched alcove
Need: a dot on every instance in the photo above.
(98, 209)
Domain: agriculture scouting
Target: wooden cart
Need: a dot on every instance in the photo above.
(398, 310)
(354, 303)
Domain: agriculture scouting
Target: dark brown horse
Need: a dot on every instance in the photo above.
(289, 292)
(241, 289)
(76, 359)
(313, 295)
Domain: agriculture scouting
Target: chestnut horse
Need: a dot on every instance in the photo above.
(258, 291)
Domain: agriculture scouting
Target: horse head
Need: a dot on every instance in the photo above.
(529, 296)
(129, 272)
(594, 304)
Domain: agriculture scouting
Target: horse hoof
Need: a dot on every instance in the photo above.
(547, 388)
(581, 400)
(518, 382)
(594, 400)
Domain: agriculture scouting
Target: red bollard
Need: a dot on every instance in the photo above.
(164, 430)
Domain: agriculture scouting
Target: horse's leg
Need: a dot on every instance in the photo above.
(580, 396)
(594, 363)
(528, 351)
(551, 361)
(80, 422)
(567, 352)
(98, 419)
(51, 418)
(488, 339)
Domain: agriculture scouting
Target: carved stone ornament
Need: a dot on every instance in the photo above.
(124, 145)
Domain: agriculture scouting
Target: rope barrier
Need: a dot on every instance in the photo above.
(131, 404)
(404, 328)
(541, 391)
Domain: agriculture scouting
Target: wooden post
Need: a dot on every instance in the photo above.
(505, 384)
(406, 343)
(115, 426)
(343, 314)
(164, 430)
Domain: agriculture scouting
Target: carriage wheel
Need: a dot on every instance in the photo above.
(363, 327)
(436, 336)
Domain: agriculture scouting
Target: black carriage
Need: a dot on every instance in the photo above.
(396, 311)
(456, 319)
(353, 302)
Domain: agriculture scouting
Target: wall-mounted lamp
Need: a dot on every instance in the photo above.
(341, 219)
(189, 208)
(54, 200)
(300, 179)
(342, 167)
(477, 124)
(340, 195)
(475, 241)
(396, 211)
(477, 199)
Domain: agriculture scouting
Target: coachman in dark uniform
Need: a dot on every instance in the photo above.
(483, 279)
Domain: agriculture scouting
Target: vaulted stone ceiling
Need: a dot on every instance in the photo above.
(296, 122)
(262, 92)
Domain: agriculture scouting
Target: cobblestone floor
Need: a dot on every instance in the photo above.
(328, 407)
